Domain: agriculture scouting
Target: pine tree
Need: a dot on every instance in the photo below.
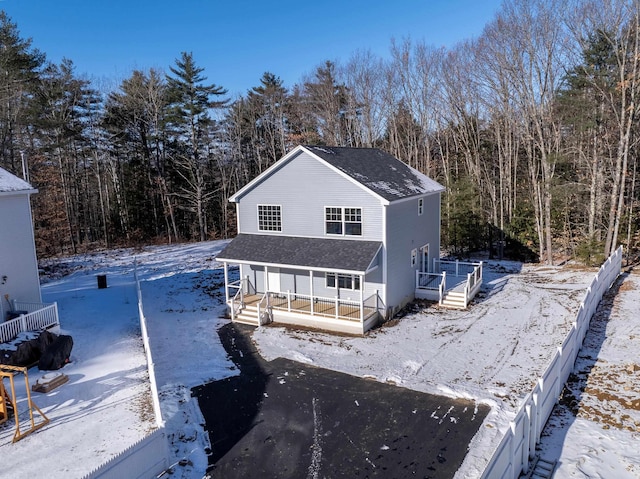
(190, 102)
(19, 71)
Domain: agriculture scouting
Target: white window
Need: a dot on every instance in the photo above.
(420, 206)
(333, 221)
(343, 221)
(343, 281)
(414, 257)
(269, 218)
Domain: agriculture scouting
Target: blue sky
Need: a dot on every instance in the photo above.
(236, 41)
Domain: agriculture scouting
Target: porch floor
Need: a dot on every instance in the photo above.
(303, 306)
(455, 283)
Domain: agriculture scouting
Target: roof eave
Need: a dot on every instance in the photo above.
(31, 191)
(290, 266)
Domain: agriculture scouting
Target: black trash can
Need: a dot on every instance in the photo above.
(102, 281)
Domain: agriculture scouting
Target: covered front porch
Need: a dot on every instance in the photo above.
(337, 290)
(350, 317)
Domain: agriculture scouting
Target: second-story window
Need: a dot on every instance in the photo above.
(343, 221)
(420, 206)
(333, 217)
(269, 218)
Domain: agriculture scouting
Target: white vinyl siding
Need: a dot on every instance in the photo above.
(405, 230)
(18, 263)
(304, 187)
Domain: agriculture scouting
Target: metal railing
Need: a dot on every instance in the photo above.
(428, 280)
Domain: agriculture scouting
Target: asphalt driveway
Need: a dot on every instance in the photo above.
(284, 419)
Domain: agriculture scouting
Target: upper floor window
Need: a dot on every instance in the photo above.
(269, 218)
(420, 206)
(343, 221)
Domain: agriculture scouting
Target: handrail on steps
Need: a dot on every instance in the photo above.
(442, 288)
(237, 303)
(266, 308)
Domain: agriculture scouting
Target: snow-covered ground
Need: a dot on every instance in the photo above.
(492, 353)
(595, 431)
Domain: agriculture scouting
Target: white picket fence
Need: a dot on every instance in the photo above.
(147, 458)
(38, 316)
(511, 457)
(144, 460)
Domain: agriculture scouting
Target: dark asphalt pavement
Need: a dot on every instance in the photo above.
(283, 419)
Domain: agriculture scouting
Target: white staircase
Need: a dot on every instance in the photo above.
(248, 315)
(454, 300)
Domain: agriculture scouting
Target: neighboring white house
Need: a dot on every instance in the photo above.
(332, 238)
(18, 263)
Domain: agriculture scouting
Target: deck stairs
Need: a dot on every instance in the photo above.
(541, 469)
(453, 300)
(248, 315)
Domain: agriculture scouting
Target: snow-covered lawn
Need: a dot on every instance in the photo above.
(492, 353)
(105, 407)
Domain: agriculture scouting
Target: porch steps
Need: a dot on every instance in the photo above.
(454, 300)
(248, 315)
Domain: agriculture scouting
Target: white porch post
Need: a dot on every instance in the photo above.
(266, 279)
(226, 282)
(311, 291)
(361, 298)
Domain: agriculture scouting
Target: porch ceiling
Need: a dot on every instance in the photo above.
(312, 253)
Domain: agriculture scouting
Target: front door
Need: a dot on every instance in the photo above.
(273, 280)
(424, 259)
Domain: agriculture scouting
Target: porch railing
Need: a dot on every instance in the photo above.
(265, 315)
(433, 282)
(429, 280)
(438, 279)
(39, 316)
(236, 291)
(336, 308)
(456, 268)
(473, 279)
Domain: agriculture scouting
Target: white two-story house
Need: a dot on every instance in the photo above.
(331, 238)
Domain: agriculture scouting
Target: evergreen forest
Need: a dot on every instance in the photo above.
(532, 127)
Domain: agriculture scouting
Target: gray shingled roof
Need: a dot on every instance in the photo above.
(381, 172)
(10, 182)
(315, 253)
